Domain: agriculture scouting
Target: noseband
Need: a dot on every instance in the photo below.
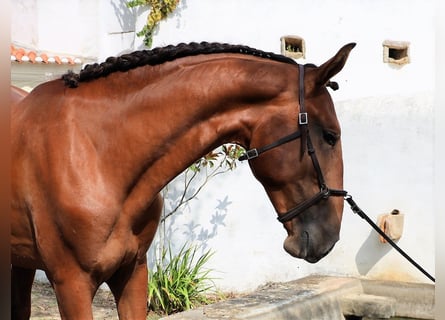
(303, 133)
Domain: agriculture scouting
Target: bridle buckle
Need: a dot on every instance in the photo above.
(325, 191)
(253, 153)
(302, 118)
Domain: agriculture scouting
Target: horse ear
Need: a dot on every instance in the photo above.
(330, 68)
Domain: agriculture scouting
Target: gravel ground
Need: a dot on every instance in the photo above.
(44, 304)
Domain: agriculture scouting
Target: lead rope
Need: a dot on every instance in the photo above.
(355, 208)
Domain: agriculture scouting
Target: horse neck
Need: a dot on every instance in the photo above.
(187, 109)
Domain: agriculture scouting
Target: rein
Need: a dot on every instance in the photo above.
(355, 208)
(325, 191)
(303, 134)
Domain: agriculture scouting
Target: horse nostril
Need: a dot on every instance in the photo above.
(305, 240)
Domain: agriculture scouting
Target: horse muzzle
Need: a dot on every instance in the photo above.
(306, 247)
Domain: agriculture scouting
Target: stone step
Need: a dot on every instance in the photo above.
(311, 298)
(320, 297)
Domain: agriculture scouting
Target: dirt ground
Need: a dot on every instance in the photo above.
(44, 305)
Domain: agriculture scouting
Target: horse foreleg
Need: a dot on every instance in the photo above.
(21, 285)
(74, 293)
(129, 284)
(129, 287)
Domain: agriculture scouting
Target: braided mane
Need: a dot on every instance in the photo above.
(160, 55)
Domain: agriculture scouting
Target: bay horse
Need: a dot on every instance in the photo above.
(91, 152)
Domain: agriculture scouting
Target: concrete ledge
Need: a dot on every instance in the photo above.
(323, 297)
(414, 300)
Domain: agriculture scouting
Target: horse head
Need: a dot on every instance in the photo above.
(302, 170)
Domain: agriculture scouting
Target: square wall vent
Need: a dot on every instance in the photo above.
(396, 52)
(293, 47)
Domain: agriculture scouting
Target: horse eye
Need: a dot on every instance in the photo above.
(330, 137)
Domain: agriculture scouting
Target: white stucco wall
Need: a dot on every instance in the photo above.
(386, 114)
(86, 28)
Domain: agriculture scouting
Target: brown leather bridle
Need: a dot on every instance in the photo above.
(303, 133)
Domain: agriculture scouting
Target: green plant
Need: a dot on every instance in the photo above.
(160, 9)
(180, 281)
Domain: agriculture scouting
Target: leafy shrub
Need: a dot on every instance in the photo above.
(160, 9)
(179, 282)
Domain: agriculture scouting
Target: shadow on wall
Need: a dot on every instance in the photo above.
(197, 233)
(181, 227)
(125, 16)
(370, 253)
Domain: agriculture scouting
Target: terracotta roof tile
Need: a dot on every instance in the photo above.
(23, 55)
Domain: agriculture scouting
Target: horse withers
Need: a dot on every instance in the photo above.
(91, 152)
